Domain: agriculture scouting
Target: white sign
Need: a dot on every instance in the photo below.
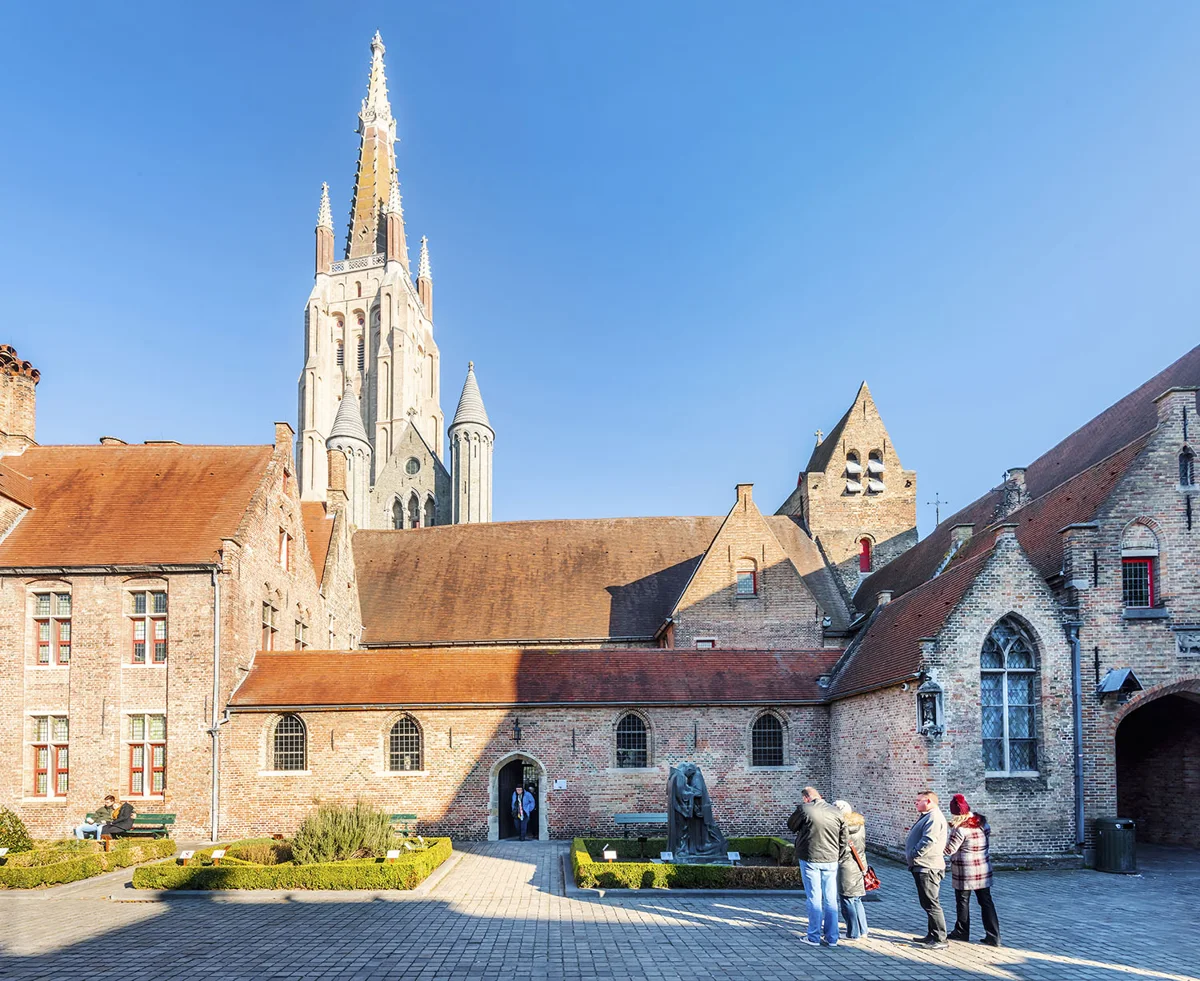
(408, 846)
(393, 853)
(186, 855)
(219, 853)
(610, 854)
(3, 852)
(421, 840)
(734, 856)
(560, 785)
(667, 856)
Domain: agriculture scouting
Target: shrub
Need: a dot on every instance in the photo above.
(408, 872)
(336, 832)
(54, 866)
(645, 874)
(264, 851)
(13, 834)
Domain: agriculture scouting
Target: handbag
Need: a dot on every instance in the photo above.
(870, 879)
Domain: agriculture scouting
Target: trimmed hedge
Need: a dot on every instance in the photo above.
(70, 863)
(644, 874)
(408, 872)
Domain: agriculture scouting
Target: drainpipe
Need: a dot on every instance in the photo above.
(215, 731)
(1077, 699)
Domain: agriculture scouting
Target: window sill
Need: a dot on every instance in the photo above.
(749, 596)
(152, 664)
(633, 769)
(405, 773)
(285, 773)
(772, 769)
(1145, 613)
(1018, 775)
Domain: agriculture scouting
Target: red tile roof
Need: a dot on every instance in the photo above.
(506, 676)
(16, 486)
(131, 505)
(318, 529)
(608, 579)
(1113, 429)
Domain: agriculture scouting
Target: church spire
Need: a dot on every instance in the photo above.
(324, 231)
(397, 244)
(425, 280)
(376, 162)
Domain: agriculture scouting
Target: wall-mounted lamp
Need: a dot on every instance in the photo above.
(1121, 682)
(929, 709)
(516, 729)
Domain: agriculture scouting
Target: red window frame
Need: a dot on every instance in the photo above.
(55, 648)
(151, 767)
(864, 555)
(753, 574)
(51, 762)
(1148, 562)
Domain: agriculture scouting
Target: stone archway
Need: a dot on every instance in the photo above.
(494, 802)
(1158, 764)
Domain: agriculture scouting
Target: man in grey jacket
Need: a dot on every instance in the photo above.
(924, 850)
(821, 841)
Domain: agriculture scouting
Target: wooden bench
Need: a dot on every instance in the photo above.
(403, 824)
(150, 826)
(655, 817)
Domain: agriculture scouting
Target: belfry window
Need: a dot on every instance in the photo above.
(1008, 686)
(341, 353)
(414, 511)
(362, 355)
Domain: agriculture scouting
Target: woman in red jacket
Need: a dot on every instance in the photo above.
(971, 870)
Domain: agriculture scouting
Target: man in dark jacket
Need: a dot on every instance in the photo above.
(821, 841)
(122, 821)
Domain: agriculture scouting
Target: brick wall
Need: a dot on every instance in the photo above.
(1158, 770)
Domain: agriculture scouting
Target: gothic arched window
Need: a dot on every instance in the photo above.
(404, 745)
(290, 744)
(1008, 693)
(430, 512)
(633, 744)
(766, 741)
(864, 555)
(397, 514)
(1187, 467)
(414, 511)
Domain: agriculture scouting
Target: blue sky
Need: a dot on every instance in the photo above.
(673, 238)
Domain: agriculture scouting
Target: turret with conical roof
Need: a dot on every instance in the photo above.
(349, 437)
(471, 441)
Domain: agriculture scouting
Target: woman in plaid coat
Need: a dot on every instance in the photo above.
(971, 871)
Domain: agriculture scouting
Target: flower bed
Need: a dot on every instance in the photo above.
(69, 861)
(407, 872)
(631, 871)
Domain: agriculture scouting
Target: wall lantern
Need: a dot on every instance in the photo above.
(516, 729)
(1121, 682)
(929, 709)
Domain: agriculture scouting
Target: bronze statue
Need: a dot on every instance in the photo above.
(692, 834)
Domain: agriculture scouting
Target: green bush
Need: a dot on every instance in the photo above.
(262, 851)
(55, 865)
(591, 873)
(13, 834)
(409, 871)
(336, 833)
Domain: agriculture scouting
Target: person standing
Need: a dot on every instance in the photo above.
(969, 848)
(821, 841)
(523, 805)
(924, 850)
(852, 884)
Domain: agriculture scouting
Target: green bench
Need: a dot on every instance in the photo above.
(150, 826)
(403, 824)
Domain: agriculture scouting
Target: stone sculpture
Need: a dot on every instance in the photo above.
(692, 834)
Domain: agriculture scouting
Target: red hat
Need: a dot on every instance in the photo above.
(959, 805)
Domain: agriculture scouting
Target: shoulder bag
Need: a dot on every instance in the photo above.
(870, 879)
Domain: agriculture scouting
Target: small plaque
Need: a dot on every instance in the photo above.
(188, 854)
(218, 853)
(610, 854)
(3, 852)
(408, 846)
(667, 856)
(734, 856)
(393, 854)
(560, 785)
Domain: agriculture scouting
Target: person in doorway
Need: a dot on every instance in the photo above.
(852, 884)
(95, 821)
(969, 848)
(122, 821)
(821, 841)
(523, 805)
(924, 850)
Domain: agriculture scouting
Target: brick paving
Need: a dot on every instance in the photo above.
(501, 912)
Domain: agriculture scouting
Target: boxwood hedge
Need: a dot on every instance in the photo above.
(72, 861)
(408, 872)
(631, 871)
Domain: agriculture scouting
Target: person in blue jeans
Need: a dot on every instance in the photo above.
(94, 822)
(821, 842)
(523, 805)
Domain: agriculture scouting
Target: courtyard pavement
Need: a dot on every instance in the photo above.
(501, 913)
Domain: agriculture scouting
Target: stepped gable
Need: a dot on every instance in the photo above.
(1116, 427)
(132, 505)
(510, 677)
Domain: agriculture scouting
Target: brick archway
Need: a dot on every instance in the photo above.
(1157, 750)
(496, 803)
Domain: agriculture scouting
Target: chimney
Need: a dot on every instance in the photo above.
(1007, 533)
(961, 534)
(883, 597)
(335, 495)
(744, 497)
(18, 401)
(112, 441)
(284, 436)
(1177, 407)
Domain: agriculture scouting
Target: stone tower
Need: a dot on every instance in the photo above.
(18, 401)
(368, 325)
(471, 439)
(854, 498)
(349, 437)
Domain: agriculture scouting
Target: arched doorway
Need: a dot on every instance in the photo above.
(506, 774)
(1158, 768)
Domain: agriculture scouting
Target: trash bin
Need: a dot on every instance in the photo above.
(1116, 845)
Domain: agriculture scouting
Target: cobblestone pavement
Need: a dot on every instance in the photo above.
(501, 913)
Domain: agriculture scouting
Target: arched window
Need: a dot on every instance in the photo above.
(341, 354)
(1008, 689)
(397, 514)
(633, 744)
(404, 745)
(430, 513)
(747, 577)
(864, 555)
(1139, 566)
(290, 744)
(766, 741)
(414, 511)
(358, 288)
(1187, 468)
(853, 467)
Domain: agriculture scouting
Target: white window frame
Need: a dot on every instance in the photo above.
(148, 619)
(55, 621)
(128, 742)
(52, 745)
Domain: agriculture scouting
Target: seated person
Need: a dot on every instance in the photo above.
(93, 822)
(121, 821)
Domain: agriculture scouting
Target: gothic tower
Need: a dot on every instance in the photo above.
(369, 326)
(349, 437)
(471, 439)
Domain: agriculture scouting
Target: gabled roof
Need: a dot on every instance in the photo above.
(318, 529)
(1115, 429)
(506, 677)
(823, 452)
(131, 505)
(591, 580)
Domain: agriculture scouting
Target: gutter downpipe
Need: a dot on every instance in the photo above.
(215, 731)
(1077, 698)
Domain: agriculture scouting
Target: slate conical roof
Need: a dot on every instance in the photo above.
(348, 423)
(470, 403)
